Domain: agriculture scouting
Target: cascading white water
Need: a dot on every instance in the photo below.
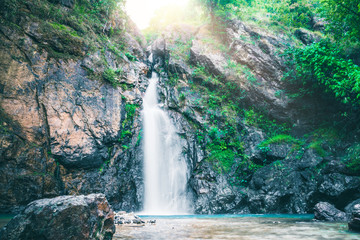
(165, 172)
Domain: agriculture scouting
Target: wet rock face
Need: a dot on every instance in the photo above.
(213, 193)
(62, 131)
(340, 188)
(64, 217)
(354, 223)
(294, 185)
(327, 212)
(284, 186)
(80, 121)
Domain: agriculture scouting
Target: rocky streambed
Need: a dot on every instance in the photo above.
(246, 227)
(91, 217)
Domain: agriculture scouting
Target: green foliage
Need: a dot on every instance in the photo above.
(242, 71)
(220, 134)
(3, 127)
(282, 138)
(320, 140)
(250, 76)
(182, 97)
(344, 18)
(343, 15)
(180, 49)
(322, 137)
(270, 127)
(124, 135)
(321, 64)
(352, 158)
(224, 158)
(226, 9)
(67, 32)
(130, 110)
(222, 149)
(131, 57)
(117, 49)
(173, 79)
(110, 76)
(63, 28)
(317, 146)
(293, 13)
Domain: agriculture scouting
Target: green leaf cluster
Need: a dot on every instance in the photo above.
(282, 138)
(259, 120)
(293, 13)
(110, 76)
(344, 18)
(322, 64)
(352, 158)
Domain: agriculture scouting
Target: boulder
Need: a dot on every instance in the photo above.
(64, 217)
(354, 223)
(128, 219)
(283, 186)
(340, 189)
(327, 212)
(213, 193)
(350, 207)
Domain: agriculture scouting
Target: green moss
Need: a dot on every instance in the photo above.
(58, 26)
(223, 159)
(117, 49)
(131, 57)
(180, 50)
(109, 75)
(130, 110)
(259, 120)
(317, 146)
(282, 138)
(125, 135)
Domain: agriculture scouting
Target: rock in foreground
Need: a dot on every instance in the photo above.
(327, 212)
(128, 219)
(64, 217)
(354, 223)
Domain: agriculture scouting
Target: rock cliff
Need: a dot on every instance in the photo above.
(65, 127)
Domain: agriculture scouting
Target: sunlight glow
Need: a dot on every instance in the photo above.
(142, 11)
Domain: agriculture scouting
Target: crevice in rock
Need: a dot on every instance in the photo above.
(18, 47)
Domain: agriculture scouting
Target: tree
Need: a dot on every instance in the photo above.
(344, 17)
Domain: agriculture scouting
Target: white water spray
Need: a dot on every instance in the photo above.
(166, 172)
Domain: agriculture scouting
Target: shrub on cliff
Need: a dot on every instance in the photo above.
(352, 158)
(322, 65)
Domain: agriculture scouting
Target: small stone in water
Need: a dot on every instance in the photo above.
(152, 221)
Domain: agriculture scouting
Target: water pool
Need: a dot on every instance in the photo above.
(242, 227)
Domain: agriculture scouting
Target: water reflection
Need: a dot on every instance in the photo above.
(235, 227)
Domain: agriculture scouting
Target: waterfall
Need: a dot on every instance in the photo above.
(165, 170)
